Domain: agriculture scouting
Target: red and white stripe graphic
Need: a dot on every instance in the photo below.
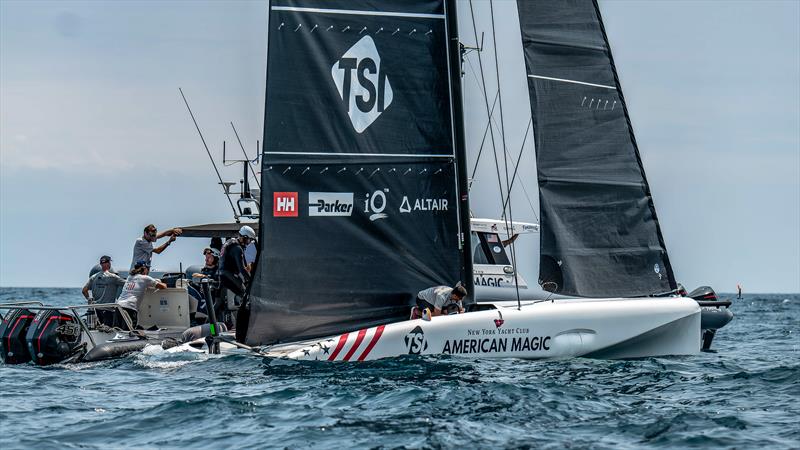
(357, 343)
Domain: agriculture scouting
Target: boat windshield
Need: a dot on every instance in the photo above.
(487, 248)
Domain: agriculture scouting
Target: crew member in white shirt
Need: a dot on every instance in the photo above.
(133, 292)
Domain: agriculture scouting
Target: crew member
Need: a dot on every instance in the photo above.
(209, 270)
(132, 294)
(102, 287)
(144, 247)
(439, 299)
(233, 273)
(250, 253)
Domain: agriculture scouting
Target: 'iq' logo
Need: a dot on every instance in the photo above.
(362, 84)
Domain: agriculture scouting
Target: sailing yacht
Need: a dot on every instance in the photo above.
(365, 201)
(364, 113)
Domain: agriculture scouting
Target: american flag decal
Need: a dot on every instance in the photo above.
(358, 343)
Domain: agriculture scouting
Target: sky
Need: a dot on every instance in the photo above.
(95, 142)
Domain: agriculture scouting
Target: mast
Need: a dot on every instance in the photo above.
(460, 142)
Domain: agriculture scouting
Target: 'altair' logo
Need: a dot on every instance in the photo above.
(362, 84)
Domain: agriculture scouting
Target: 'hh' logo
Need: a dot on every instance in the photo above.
(362, 84)
(284, 204)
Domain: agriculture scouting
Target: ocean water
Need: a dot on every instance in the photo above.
(744, 395)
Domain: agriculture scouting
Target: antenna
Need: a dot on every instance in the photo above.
(219, 177)
(249, 161)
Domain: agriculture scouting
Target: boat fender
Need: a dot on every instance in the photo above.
(114, 349)
(202, 331)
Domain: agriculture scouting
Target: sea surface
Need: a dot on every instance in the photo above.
(744, 395)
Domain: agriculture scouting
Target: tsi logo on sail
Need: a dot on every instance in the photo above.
(330, 203)
(362, 83)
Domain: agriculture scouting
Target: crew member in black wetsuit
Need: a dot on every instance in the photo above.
(233, 274)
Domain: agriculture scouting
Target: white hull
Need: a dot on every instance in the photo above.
(597, 328)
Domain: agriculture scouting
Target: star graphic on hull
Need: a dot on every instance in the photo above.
(326, 349)
(306, 351)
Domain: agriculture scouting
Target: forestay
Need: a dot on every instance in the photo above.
(360, 204)
(600, 235)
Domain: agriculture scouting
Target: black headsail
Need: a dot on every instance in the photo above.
(600, 235)
(361, 203)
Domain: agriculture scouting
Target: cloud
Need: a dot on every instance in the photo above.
(22, 155)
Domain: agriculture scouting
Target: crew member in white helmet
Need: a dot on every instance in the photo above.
(233, 273)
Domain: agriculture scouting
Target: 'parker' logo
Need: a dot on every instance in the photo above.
(362, 84)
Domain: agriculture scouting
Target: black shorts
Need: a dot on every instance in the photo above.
(232, 283)
(422, 304)
(119, 322)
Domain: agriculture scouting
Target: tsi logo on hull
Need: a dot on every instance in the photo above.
(415, 341)
(330, 203)
(362, 84)
(284, 204)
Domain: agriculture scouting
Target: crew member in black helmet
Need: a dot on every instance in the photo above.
(233, 274)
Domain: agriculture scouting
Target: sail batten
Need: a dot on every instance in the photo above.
(600, 235)
(542, 77)
(358, 12)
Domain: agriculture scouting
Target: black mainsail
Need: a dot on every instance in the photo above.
(600, 236)
(362, 202)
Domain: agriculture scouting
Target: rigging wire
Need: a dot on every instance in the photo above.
(486, 103)
(494, 123)
(233, 208)
(483, 141)
(510, 218)
(489, 121)
(516, 168)
(524, 190)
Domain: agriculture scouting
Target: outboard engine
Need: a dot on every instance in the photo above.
(714, 313)
(705, 293)
(15, 326)
(53, 337)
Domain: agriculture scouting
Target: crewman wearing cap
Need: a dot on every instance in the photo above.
(212, 264)
(103, 287)
(133, 292)
(197, 298)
